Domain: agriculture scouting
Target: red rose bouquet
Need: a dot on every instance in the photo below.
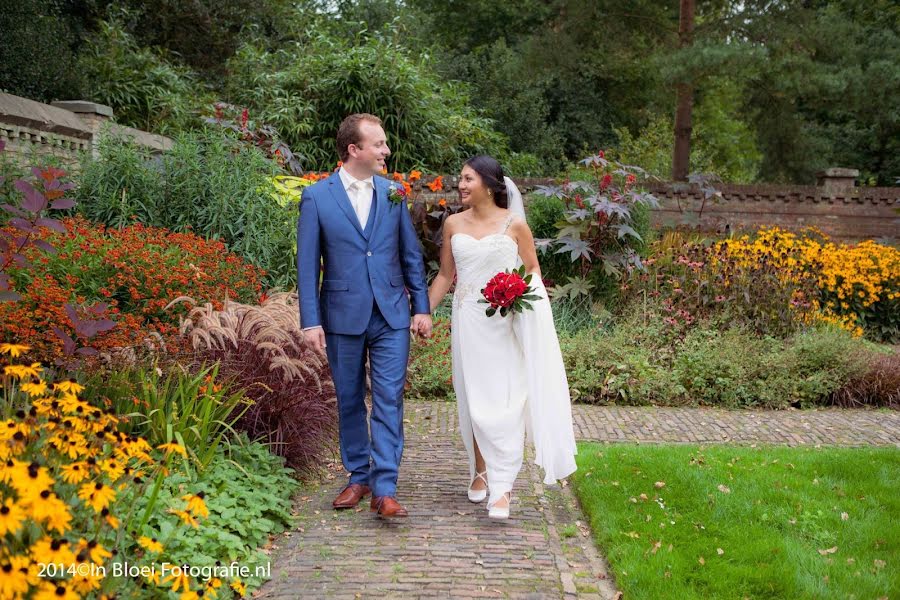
(508, 292)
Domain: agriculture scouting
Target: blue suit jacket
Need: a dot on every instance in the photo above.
(359, 267)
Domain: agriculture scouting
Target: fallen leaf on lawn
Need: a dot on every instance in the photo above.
(659, 485)
(844, 516)
(656, 546)
(719, 551)
(831, 550)
(633, 534)
(633, 500)
(879, 564)
(701, 561)
(643, 496)
(850, 561)
(724, 489)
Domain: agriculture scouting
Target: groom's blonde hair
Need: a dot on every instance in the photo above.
(348, 132)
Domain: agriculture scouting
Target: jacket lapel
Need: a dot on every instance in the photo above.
(340, 197)
(379, 205)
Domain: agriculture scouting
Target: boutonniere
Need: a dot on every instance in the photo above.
(398, 194)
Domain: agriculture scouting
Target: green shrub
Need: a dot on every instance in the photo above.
(731, 368)
(208, 183)
(429, 374)
(144, 89)
(37, 58)
(306, 89)
(247, 491)
(623, 365)
(637, 362)
(544, 212)
(822, 360)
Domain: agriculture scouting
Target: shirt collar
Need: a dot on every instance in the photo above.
(347, 179)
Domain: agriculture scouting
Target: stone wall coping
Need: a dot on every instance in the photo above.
(839, 172)
(156, 142)
(20, 111)
(84, 106)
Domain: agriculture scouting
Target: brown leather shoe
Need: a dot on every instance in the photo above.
(388, 507)
(351, 495)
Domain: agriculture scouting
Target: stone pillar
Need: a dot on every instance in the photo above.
(837, 183)
(93, 115)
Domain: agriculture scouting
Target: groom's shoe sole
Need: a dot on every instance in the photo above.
(350, 496)
(387, 507)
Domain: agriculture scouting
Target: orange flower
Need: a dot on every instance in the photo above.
(442, 202)
(415, 175)
(397, 176)
(437, 184)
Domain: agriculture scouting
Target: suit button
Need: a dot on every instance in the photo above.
(369, 253)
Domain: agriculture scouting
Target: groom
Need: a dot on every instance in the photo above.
(370, 256)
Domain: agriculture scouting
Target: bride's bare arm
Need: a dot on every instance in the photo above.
(522, 232)
(444, 279)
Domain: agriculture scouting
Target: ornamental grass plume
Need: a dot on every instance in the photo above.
(261, 348)
(878, 386)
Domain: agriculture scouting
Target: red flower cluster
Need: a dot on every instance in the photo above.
(508, 292)
(137, 270)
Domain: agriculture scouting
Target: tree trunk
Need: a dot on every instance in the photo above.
(681, 158)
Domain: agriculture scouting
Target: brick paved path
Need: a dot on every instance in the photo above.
(710, 425)
(448, 548)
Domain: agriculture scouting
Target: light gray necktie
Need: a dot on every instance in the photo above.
(357, 189)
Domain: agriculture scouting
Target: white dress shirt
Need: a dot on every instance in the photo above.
(359, 191)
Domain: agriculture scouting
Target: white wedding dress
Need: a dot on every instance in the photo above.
(507, 371)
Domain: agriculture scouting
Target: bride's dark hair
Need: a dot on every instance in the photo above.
(491, 174)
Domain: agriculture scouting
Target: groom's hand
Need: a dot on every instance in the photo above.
(421, 324)
(315, 337)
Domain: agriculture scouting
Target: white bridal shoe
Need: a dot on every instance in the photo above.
(478, 495)
(500, 512)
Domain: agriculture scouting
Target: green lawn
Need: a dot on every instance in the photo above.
(738, 522)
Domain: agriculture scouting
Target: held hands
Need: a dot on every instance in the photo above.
(421, 325)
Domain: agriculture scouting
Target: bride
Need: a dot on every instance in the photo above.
(507, 371)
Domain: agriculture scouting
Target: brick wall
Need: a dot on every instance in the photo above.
(839, 210)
